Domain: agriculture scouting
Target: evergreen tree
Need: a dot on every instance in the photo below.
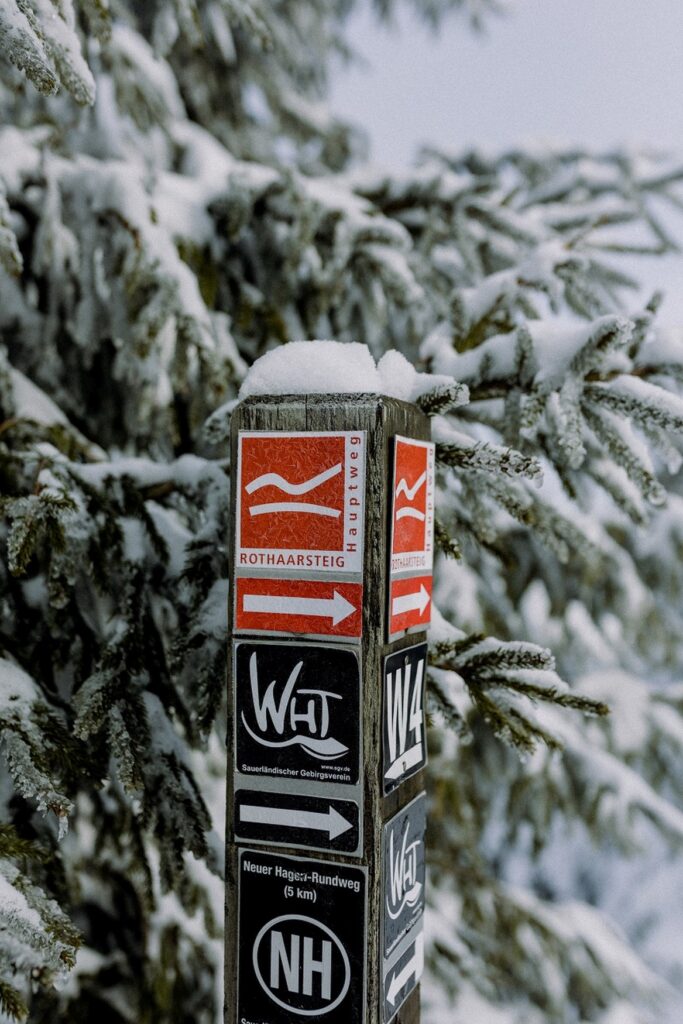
(175, 201)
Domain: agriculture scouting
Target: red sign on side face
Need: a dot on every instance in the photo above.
(311, 607)
(300, 501)
(412, 538)
(410, 604)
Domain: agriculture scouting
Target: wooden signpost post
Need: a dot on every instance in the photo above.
(330, 598)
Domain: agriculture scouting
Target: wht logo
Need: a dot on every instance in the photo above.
(410, 492)
(404, 718)
(297, 956)
(404, 887)
(275, 480)
(284, 716)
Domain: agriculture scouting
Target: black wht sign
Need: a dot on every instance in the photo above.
(297, 819)
(297, 712)
(403, 872)
(404, 748)
(301, 944)
(403, 973)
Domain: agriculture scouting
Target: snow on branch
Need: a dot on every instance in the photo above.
(40, 38)
(23, 716)
(21, 43)
(504, 681)
(464, 453)
(637, 398)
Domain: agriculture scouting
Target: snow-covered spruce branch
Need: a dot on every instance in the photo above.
(484, 456)
(491, 670)
(444, 541)
(25, 719)
(41, 39)
(443, 399)
(536, 932)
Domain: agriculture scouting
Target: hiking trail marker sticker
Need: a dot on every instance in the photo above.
(403, 872)
(300, 502)
(318, 608)
(410, 604)
(297, 819)
(402, 972)
(404, 741)
(297, 712)
(412, 536)
(302, 940)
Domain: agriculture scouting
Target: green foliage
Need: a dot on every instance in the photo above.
(11, 1002)
(492, 672)
(36, 519)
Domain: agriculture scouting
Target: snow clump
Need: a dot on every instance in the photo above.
(336, 367)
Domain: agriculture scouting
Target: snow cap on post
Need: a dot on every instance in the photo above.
(335, 368)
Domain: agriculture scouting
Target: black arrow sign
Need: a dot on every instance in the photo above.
(296, 819)
(404, 973)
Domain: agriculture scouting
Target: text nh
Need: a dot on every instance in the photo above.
(298, 966)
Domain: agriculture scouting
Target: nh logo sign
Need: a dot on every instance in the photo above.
(301, 965)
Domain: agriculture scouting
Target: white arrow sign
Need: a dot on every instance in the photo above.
(419, 599)
(336, 608)
(331, 821)
(413, 969)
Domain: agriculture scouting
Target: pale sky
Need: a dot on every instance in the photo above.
(598, 72)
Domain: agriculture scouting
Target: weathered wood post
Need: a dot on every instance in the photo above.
(330, 597)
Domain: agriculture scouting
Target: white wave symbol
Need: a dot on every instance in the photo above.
(294, 506)
(326, 750)
(410, 513)
(410, 492)
(275, 480)
(407, 512)
(410, 899)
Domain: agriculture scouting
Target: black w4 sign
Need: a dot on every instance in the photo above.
(404, 750)
(297, 712)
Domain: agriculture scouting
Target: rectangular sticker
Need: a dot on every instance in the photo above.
(320, 608)
(297, 711)
(403, 972)
(403, 872)
(302, 940)
(300, 502)
(410, 604)
(412, 521)
(404, 741)
(297, 819)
